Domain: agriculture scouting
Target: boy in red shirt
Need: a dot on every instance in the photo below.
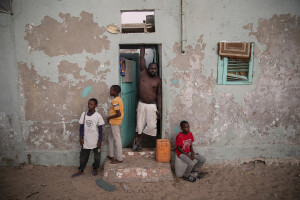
(185, 151)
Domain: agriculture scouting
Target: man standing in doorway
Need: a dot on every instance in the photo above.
(149, 106)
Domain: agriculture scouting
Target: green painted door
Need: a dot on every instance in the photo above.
(128, 95)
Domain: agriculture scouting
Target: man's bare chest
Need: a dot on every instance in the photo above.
(148, 82)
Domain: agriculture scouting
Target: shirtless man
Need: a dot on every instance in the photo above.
(149, 106)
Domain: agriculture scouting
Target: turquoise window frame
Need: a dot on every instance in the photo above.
(222, 71)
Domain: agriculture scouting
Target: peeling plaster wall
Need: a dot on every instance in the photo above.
(238, 122)
(56, 55)
(10, 128)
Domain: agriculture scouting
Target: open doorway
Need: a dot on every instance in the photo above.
(130, 54)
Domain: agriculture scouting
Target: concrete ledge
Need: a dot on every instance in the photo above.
(137, 166)
(129, 154)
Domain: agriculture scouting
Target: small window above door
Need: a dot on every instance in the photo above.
(138, 21)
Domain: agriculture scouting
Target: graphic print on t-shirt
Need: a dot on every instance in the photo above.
(186, 144)
(116, 105)
(89, 123)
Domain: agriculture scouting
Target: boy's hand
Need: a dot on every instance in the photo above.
(108, 118)
(187, 154)
(81, 141)
(192, 156)
(99, 145)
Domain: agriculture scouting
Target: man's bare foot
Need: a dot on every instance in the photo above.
(77, 174)
(137, 146)
(110, 158)
(116, 161)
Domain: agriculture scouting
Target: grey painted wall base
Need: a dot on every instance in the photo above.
(214, 155)
(48, 158)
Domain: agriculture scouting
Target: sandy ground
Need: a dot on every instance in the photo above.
(247, 181)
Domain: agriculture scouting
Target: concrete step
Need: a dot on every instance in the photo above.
(137, 167)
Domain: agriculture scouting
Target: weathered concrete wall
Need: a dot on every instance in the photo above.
(239, 122)
(55, 55)
(10, 116)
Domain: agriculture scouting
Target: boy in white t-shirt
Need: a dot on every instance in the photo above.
(90, 137)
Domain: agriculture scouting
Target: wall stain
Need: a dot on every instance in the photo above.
(52, 107)
(176, 129)
(273, 103)
(87, 90)
(52, 136)
(8, 136)
(92, 65)
(71, 36)
(56, 97)
(192, 103)
(275, 100)
(107, 63)
(65, 67)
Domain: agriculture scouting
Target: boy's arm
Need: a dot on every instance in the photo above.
(178, 144)
(181, 151)
(81, 134)
(118, 114)
(81, 128)
(100, 136)
(192, 151)
(186, 153)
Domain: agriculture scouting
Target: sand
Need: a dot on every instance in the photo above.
(246, 181)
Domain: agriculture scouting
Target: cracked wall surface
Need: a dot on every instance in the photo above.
(196, 89)
(58, 56)
(52, 108)
(278, 85)
(71, 36)
(266, 121)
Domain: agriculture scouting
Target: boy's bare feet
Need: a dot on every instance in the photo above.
(110, 158)
(189, 178)
(116, 161)
(198, 174)
(77, 174)
(94, 173)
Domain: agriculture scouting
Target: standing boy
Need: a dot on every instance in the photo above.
(185, 151)
(90, 137)
(116, 114)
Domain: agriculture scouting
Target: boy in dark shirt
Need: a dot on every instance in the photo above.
(185, 151)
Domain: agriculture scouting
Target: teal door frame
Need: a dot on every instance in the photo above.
(128, 95)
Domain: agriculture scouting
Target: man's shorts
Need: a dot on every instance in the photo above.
(146, 118)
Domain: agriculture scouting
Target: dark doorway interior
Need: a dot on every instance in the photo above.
(152, 54)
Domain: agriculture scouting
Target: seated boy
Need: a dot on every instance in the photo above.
(185, 151)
